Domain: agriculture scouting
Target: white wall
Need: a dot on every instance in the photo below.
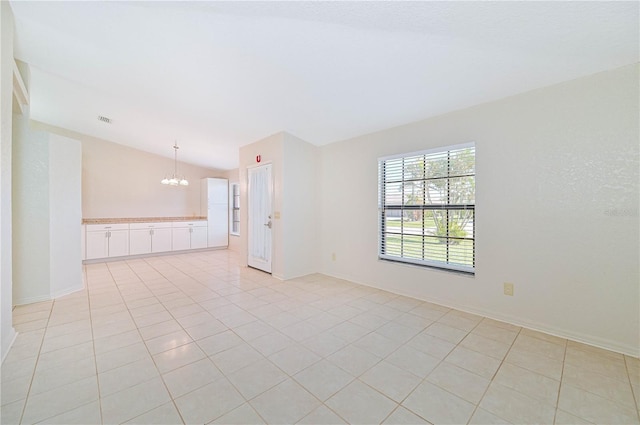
(31, 238)
(47, 260)
(301, 228)
(118, 181)
(295, 224)
(65, 212)
(7, 333)
(557, 210)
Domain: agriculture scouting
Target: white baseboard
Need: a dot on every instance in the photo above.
(31, 300)
(41, 298)
(151, 254)
(67, 291)
(606, 344)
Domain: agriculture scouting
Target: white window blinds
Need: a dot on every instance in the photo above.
(427, 208)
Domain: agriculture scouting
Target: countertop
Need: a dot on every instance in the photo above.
(139, 220)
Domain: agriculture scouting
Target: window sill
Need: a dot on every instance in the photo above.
(470, 274)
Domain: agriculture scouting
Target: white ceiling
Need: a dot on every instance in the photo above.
(219, 75)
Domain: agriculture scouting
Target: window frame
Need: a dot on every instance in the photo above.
(235, 208)
(423, 208)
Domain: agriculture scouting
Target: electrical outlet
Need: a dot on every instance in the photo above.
(508, 289)
(333, 256)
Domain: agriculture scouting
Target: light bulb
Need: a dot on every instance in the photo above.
(184, 182)
(165, 181)
(173, 181)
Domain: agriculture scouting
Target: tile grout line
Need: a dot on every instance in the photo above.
(35, 367)
(357, 378)
(564, 359)
(502, 361)
(247, 401)
(93, 342)
(194, 341)
(197, 277)
(633, 392)
(600, 374)
(147, 348)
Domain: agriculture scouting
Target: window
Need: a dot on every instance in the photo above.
(235, 209)
(427, 208)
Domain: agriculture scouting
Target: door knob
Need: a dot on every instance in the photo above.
(268, 224)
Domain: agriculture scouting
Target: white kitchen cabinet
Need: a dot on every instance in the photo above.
(97, 244)
(145, 238)
(120, 240)
(181, 238)
(104, 241)
(189, 235)
(139, 241)
(118, 243)
(161, 239)
(199, 237)
(214, 204)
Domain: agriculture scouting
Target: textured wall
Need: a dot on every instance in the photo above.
(557, 209)
(118, 181)
(7, 332)
(31, 240)
(46, 214)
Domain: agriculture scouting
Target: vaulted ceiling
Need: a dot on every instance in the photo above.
(218, 75)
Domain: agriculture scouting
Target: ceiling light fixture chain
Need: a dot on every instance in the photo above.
(175, 179)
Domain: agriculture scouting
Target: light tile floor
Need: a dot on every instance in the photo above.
(195, 338)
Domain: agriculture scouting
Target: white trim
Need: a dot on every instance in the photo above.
(252, 261)
(382, 184)
(67, 292)
(151, 254)
(232, 208)
(428, 151)
(258, 164)
(20, 91)
(31, 300)
(51, 297)
(606, 344)
(433, 264)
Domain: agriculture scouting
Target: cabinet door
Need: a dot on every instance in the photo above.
(118, 243)
(139, 241)
(97, 244)
(218, 226)
(181, 238)
(161, 240)
(198, 237)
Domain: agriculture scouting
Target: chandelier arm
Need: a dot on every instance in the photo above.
(175, 179)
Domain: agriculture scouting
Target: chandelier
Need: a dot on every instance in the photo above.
(175, 179)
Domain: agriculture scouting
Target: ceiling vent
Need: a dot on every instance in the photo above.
(104, 119)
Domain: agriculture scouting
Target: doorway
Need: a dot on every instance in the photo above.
(260, 221)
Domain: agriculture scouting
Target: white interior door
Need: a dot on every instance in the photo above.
(260, 217)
